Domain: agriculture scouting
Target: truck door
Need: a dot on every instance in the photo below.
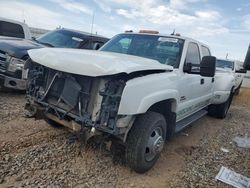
(208, 86)
(195, 90)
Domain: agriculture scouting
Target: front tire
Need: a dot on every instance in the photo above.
(145, 141)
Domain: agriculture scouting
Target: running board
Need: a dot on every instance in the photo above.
(190, 119)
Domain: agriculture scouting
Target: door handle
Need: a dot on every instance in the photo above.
(202, 81)
(212, 80)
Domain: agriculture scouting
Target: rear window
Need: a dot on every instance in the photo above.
(11, 29)
(193, 54)
(205, 51)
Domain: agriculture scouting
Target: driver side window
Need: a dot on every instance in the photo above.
(121, 46)
(193, 54)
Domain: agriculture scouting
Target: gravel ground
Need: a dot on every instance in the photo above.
(32, 154)
(206, 161)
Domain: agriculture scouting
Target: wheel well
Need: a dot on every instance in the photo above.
(233, 90)
(168, 109)
(25, 57)
(163, 107)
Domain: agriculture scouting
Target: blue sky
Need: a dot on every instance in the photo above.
(224, 25)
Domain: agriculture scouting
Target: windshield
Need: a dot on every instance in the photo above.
(225, 64)
(166, 50)
(62, 39)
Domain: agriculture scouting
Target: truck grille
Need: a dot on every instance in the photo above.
(3, 65)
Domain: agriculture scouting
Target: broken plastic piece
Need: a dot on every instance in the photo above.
(243, 142)
(232, 178)
(225, 150)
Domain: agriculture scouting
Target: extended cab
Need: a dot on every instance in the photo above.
(139, 90)
(13, 52)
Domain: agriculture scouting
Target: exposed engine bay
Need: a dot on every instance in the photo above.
(88, 101)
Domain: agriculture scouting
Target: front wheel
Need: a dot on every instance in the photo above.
(145, 141)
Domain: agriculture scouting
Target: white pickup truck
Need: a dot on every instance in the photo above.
(138, 90)
(13, 28)
(232, 68)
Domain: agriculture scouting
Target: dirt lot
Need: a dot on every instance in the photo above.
(32, 154)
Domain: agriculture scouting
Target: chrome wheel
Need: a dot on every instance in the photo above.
(155, 144)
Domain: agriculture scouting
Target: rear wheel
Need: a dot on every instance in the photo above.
(145, 141)
(220, 110)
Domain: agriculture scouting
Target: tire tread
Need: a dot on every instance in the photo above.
(135, 138)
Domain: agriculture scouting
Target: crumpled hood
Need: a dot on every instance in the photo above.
(17, 47)
(92, 63)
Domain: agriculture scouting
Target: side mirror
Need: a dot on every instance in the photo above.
(208, 66)
(241, 71)
(187, 67)
(247, 60)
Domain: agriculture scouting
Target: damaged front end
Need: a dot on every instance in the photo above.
(75, 101)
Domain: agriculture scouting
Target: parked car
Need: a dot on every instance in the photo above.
(13, 52)
(13, 28)
(138, 90)
(233, 68)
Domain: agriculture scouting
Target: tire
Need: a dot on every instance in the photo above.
(145, 141)
(53, 123)
(220, 110)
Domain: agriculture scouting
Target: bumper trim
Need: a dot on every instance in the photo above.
(13, 83)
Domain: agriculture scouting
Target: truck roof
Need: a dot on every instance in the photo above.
(13, 21)
(85, 33)
(167, 35)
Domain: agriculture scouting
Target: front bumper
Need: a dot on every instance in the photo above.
(12, 83)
